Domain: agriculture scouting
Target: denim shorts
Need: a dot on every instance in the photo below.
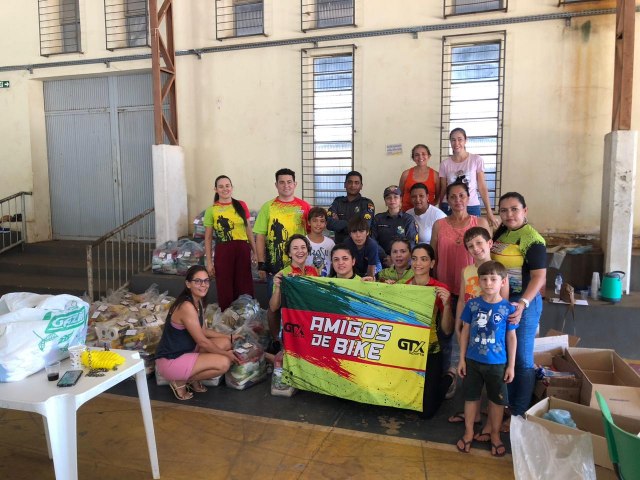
(492, 376)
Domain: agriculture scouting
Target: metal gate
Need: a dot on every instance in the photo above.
(99, 137)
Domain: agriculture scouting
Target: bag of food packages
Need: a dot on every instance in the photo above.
(198, 226)
(259, 327)
(164, 258)
(142, 339)
(189, 253)
(251, 367)
(36, 330)
(245, 310)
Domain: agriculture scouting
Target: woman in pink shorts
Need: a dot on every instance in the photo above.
(188, 352)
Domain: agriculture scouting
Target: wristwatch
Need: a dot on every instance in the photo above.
(525, 301)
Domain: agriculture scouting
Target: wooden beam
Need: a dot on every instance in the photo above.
(623, 68)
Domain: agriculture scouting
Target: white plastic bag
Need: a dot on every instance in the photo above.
(36, 330)
(537, 453)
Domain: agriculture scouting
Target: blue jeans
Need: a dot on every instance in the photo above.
(521, 389)
(471, 210)
(449, 345)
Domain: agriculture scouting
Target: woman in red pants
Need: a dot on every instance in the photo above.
(235, 244)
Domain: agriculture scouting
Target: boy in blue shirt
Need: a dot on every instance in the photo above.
(487, 354)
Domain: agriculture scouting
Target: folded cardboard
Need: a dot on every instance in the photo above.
(566, 388)
(587, 420)
(571, 339)
(554, 343)
(545, 358)
(605, 371)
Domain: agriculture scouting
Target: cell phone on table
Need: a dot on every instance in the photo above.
(70, 378)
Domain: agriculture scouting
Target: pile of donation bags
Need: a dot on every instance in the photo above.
(247, 322)
(38, 329)
(175, 257)
(129, 321)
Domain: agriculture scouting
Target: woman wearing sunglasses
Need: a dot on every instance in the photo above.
(188, 352)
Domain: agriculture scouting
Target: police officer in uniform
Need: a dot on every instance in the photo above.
(346, 207)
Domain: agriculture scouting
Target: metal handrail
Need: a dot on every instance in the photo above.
(12, 237)
(124, 251)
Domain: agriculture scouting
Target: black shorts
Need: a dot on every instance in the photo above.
(492, 376)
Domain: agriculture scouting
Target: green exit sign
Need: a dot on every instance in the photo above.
(4, 83)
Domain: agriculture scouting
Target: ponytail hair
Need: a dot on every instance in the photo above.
(502, 228)
(237, 206)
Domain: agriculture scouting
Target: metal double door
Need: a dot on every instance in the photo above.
(99, 138)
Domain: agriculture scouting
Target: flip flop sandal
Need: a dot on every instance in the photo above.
(482, 437)
(458, 417)
(464, 445)
(498, 450)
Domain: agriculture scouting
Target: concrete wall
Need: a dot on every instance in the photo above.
(239, 111)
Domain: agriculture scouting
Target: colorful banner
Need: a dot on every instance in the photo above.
(362, 341)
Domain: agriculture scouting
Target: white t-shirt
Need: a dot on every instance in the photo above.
(320, 255)
(425, 222)
(466, 171)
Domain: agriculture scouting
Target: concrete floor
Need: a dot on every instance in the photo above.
(225, 433)
(200, 443)
(229, 434)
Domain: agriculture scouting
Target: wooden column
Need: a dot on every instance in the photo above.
(163, 61)
(623, 69)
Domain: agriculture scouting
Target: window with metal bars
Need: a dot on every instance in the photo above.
(239, 18)
(326, 13)
(461, 7)
(327, 122)
(59, 23)
(126, 23)
(473, 99)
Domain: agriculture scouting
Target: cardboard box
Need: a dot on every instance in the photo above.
(605, 371)
(554, 343)
(565, 388)
(587, 420)
(548, 351)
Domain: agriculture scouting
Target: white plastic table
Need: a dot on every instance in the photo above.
(58, 405)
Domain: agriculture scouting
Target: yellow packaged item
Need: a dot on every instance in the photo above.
(102, 359)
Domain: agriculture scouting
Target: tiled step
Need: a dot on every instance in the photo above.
(46, 284)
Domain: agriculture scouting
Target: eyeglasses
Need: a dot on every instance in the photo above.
(201, 281)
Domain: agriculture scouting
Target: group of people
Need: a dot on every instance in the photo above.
(487, 274)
